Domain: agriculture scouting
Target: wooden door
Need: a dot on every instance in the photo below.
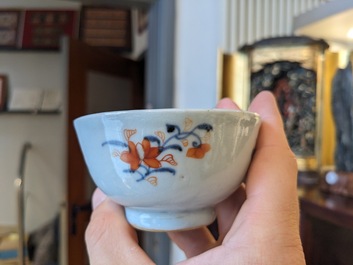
(82, 60)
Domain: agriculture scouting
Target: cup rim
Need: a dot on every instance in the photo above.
(168, 110)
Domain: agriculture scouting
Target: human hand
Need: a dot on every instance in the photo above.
(257, 224)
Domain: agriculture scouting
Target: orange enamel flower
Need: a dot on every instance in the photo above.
(198, 152)
(141, 152)
(150, 154)
(131, 157)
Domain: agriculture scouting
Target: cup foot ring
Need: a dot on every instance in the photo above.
(154, 220)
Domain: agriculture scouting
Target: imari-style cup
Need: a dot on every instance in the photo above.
(168, 167)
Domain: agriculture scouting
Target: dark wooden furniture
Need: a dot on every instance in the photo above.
(83, 59)
(326, 227)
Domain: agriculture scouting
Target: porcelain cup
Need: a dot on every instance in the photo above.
(168, 167)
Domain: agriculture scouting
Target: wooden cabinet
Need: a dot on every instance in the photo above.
(83, 60)
(326, 227)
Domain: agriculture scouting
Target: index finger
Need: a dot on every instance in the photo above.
(109, 237)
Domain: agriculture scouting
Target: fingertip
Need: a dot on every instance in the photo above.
(272, 129)
(227, 103)
(97, 198)
(265, 100)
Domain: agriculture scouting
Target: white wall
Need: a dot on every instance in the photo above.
(45, 167)
(200, 35)
(45, 172)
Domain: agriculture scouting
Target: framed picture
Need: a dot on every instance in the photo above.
(107, 27)
(43, 29)
(9, 28)
(291, 68)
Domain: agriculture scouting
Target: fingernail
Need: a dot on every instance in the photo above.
(97, 198)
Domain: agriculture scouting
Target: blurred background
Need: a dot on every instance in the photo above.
(61, 59)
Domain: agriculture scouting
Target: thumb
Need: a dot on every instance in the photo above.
(110, 239)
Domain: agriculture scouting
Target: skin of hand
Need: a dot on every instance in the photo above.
(257, 224)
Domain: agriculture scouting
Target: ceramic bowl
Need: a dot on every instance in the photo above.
(168, 167)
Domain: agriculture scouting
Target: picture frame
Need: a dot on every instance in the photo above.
(43, 29)
(107, 27)
(10, 21)
(291, 68)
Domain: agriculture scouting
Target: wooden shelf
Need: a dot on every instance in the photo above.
(25, 112)
(119, 3)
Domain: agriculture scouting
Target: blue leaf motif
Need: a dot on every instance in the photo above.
(153, 139)
(163, 169)
(173, 146)
(115, 142)
(205, 126)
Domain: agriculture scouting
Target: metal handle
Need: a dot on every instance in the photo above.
(19, 183)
